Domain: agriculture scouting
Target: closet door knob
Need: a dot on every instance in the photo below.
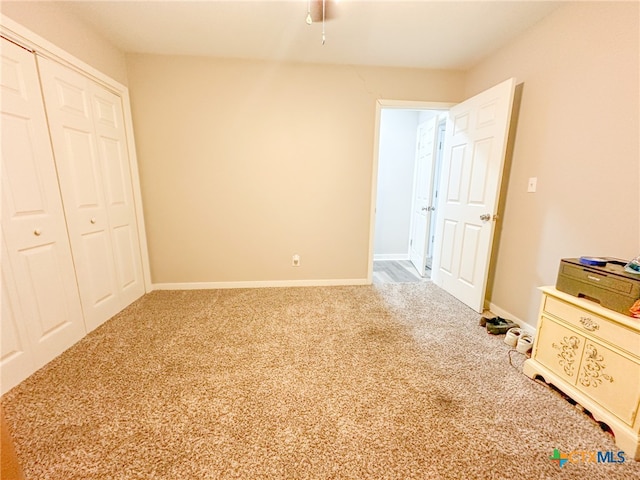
(93, 220)
(37, 232)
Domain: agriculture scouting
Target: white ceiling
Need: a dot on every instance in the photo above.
(421, 34)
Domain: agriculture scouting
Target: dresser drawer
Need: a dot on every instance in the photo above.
(593, 324)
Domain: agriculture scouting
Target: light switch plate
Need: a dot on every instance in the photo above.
(533, 183)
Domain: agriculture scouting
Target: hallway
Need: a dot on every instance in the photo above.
(396, 271)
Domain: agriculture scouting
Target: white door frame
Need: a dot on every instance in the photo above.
(397, 104)
(442, 127)
(30, 40)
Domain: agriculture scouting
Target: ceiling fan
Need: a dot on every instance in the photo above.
(320, 11)
(317, 10)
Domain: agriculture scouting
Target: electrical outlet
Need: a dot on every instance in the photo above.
(295, 260)
(531, 186)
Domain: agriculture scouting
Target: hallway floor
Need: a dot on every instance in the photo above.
(396, 271)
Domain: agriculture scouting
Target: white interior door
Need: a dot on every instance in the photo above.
(87, 134)
(422, 194)
(41, 311)
(475, 147)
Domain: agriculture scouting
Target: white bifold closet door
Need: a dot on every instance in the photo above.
(90, 148)
(41, 313)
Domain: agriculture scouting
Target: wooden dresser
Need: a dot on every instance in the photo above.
(592, 354)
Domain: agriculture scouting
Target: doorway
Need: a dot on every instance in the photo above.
(478, 137)
(406, 193)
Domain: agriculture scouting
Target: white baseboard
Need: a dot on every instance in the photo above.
(260, 284)
(390, 256)
(495, 309)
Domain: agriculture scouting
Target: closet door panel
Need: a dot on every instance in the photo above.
(88, 224)
(45, 304)
(88, 133)
(82, 171)
(67, 96)
(16, 358)
(116, 175)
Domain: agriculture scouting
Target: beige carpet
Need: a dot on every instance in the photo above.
(385, 382)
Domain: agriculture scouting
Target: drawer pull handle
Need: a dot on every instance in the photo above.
(595, 279)
(589, 324)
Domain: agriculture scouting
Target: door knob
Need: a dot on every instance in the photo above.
(485, 217)
(431, 209)
(425, 209)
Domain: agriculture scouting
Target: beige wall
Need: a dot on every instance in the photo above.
(578, 133)
(244, 164)
(60, 27)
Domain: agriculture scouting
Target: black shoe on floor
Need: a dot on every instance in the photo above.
(499, 326)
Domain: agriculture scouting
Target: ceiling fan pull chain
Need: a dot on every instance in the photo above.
(308, 19)
(323, 6)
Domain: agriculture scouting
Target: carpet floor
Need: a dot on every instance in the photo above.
(380, 382)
